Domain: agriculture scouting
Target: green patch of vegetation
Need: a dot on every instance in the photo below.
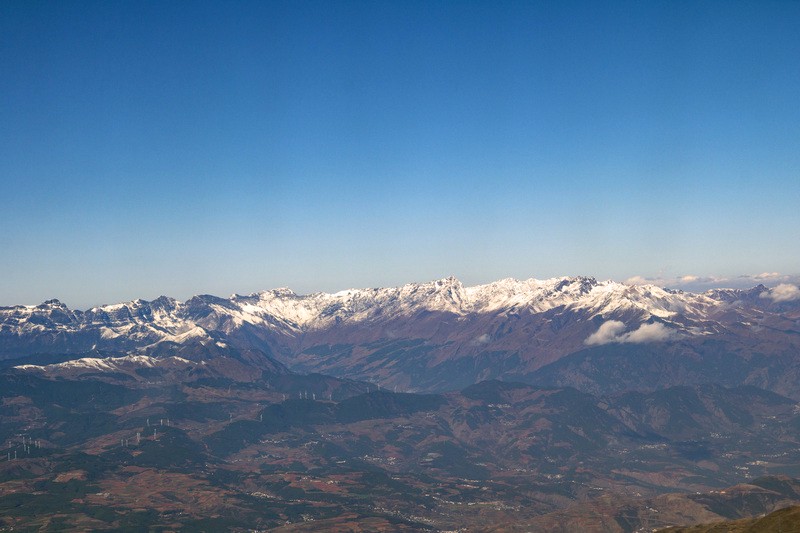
(235, 436)
(382, 404)
(79, 426)
(138, 521)
(693, 450)
(782, 485)
(79, 395)
(273, 419)
(171, 449)
(456, 461)
(94, 465)
(54, 498)
(215, 524)
(196, 411)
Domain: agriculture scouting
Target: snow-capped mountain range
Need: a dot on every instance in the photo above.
(418, 336)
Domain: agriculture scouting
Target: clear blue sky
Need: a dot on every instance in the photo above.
(178, 148)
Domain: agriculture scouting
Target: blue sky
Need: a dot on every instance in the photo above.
(179, 148)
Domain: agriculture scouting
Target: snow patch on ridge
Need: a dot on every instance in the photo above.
(106, 364)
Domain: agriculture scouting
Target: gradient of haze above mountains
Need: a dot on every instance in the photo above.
(218, 147)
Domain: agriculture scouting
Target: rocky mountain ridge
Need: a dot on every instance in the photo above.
(420, 336)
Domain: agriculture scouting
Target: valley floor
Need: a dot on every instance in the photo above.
(121, 454)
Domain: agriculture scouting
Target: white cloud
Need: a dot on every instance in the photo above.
(688, 281)
(483, 339)
(692, 283)
(785, 292)
(607, 332)
(614, 331)
(654, 332)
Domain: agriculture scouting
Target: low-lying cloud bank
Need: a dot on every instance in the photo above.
(694, 283)
(785, 292)
(614, 331)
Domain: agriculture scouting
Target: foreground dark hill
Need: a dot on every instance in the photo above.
(599, 337)
(115, 450)
(725, 508)
(786, 520)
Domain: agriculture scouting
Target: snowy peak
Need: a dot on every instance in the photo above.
(283, 306)
(51, 304)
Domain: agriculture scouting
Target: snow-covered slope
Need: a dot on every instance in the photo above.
(111, 364)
